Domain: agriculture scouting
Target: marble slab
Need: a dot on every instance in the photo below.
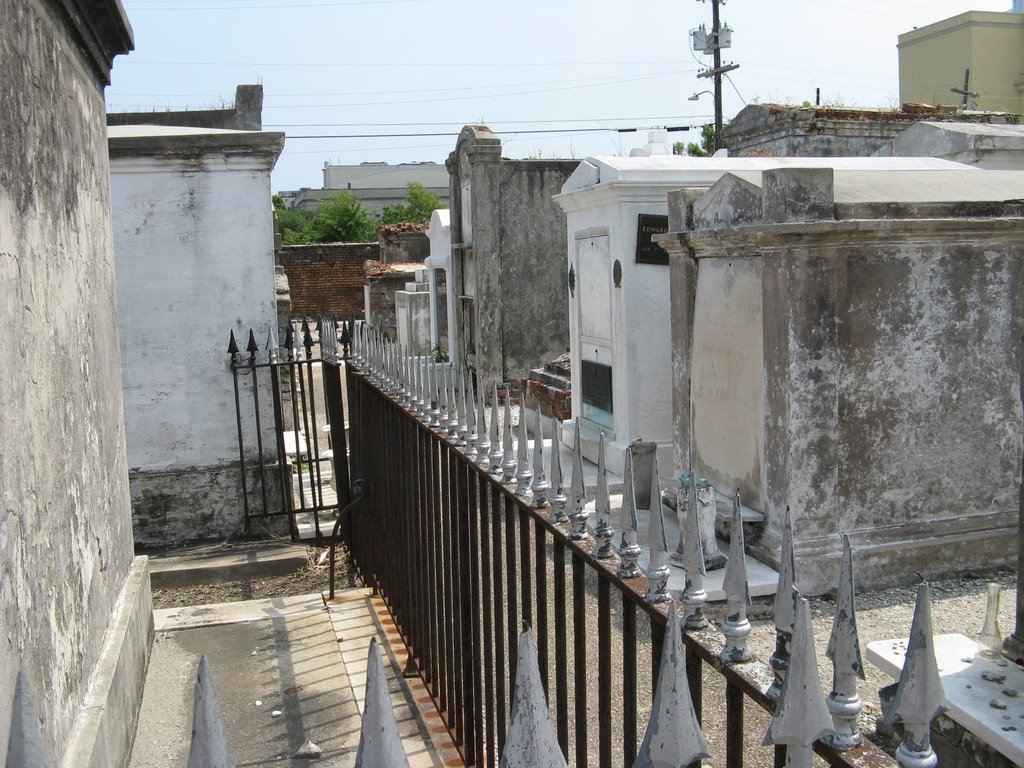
(969, 694)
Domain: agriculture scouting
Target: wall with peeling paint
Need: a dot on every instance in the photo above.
(75, 609)
(891, 342)
(193, 238)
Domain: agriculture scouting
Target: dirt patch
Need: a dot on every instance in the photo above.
(309, 579)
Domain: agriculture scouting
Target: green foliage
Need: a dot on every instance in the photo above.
(438, 354)
(295, 225)
(341, 218)
(706, 148)
(422, 203)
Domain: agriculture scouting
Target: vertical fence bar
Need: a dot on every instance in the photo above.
(512, 625)
(525, 575)
(579, 632)
(499, 614)
(604, 671)
(561, 652)
(629, 729)
(541, 564)
(467, 616)
(733, 725)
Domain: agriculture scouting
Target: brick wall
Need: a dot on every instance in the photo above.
(327, 278)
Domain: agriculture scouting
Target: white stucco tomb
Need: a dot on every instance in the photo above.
(439, 278)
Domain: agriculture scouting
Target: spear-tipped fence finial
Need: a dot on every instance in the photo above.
(209, 740)
(801, 718)
(523, 472)
(629, 545)
(919, 695)
(508, 456)
(497, 450)
(673, 736)
(785, 609)
(577, 491)
(380, 746)
(454, 414)
(483, 443)
(694, 596)
(462, 417)
(271, 349)
(540, 486)
(469, 407)
(844, 651)
(657, 567)
(531, 741)
(603, 532)
(557, 494)
(433, 396)
(252, 347)
(736, 627)
(236, 357)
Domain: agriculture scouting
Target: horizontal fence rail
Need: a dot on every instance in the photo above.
(464, 565)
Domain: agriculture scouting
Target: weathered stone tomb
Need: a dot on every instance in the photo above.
(847, 343)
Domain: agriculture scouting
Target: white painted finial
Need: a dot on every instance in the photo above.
(802, 717)
(508, 456)
(531, 741)
(736, 627)
(379, 743)
(673, 736)
(209, 741)
(577, 492)
(694, 596)
(602, 507)
(629, 545)
(657, 567)
(844, 651)
(540, 486)
(497, 450)
(523, 472)
(558, 499)
(919, 695)
(785, 609)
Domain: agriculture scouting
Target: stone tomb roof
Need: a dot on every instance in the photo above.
(784, 195)
(683, 170)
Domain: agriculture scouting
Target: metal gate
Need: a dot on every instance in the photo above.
(290, 416)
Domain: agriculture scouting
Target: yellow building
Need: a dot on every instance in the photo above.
(990, 45)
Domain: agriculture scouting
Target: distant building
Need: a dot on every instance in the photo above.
(377, 185)
(989, 46)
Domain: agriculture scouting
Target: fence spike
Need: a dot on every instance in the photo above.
(919, 695)
(25, 742)
(271, 349)
(694, 596)
(483, 442)
(801, 718)
(736, 627)
(307, 338)
(673, 736)
(379, 743)
(469, 405)
(523, 472)
(577, 491)
(629, 545)
(844, 651)
(657, 566)
(557, 499)
(497, 452)
(454, 416)
(508, 457)
(433, 396)
(232, 344)
(461, 417)
(540, 485)
(784, 610)
(682, 505)
(209, 741)
(603, 531)
(531, 741)
(252, 347)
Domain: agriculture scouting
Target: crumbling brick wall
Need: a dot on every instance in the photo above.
(327, 278)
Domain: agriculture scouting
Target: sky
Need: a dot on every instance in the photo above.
(395, 80)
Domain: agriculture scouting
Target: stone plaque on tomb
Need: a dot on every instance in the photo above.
(594, 287)
(596, 393)
(647, 251)
(727, 386)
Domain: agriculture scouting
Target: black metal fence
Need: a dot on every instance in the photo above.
(295, 390)
(463, 565)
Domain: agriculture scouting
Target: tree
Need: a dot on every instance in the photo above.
(341, 218)
(706, 148)
(295, 225)
(422, 203)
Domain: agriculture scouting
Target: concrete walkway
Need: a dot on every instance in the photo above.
(294, 656)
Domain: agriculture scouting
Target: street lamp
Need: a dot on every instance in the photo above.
(697, 95)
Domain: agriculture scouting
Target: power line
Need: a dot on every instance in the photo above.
(504, 133)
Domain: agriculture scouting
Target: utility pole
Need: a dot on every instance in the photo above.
(714, 45)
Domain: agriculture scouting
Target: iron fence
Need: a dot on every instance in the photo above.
(463, 564)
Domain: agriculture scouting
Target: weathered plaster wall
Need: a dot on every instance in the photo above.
(67, 574)
(508, 258)
(531, 264)
(891, 368)
(193, 236)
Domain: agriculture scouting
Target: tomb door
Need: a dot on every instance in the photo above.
(592, 305)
